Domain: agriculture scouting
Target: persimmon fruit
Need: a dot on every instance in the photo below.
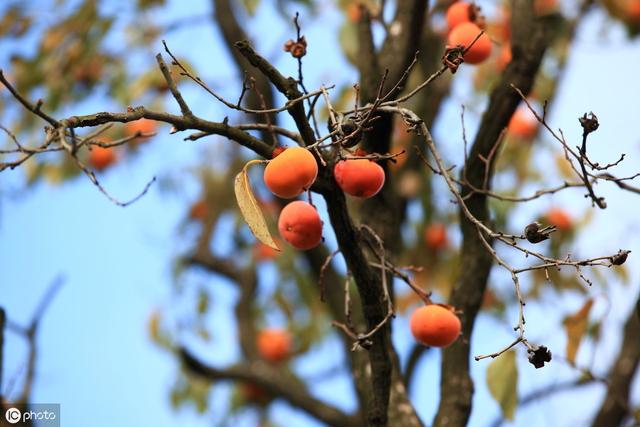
(300, 225)
(198, 211)
(101, 158)
(262, 252)
(504, 57)
(458, 13)
(560, 218)
(140, 126)
(435, 236)
(290, 173)
(359, 177)
(545, 7)
(253, 393)
(353, 11)
(464, 34)
(523, 124)
(632, 10)
(435, 325)
(274, 345)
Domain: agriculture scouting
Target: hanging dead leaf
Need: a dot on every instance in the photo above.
(576, 325)
(502, 380)
(249, 207)
(564, 167)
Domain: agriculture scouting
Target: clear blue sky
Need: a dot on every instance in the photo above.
(95, 356)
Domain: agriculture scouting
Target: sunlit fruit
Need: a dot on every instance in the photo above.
(253, 393)
(460, 12)
(359, 177)
(291, 172)
(435, 236)
(274, 345)
(523, 124)
(139, 127)
(434, 325)
(560, 218)
(632, 10)
(88, 72)
(500, 28)
(262, 252)
(300, 225)
(504, 57)
(101, 158)
(353, 11)
(545, 7)
(464, 34)
(198, 211)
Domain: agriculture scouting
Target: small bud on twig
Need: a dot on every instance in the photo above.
(589, 123)
(298, 49)
(620, 257)
(452, 57)
(538, 355)
(535, 234)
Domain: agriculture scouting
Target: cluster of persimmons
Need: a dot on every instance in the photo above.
(100, 158)
(294, 170)
(467, 27)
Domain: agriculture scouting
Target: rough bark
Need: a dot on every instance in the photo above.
(615, 408)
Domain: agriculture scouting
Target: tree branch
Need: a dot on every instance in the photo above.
(288, 86)
(179, 122)
(277, 383)
(615, 407)
(371, 294)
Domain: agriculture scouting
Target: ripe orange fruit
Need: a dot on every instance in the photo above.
(198, 211)
(560, 218)
(458, 13)
(359, 177)
(274, 345)
(632, 10)
(253, 393)
(435, 325)
(101, 158)
(88, 72)
(505, 56)
(435, 236)
(545, 7)
(353, 11)
(291, 172)
(464, 34)
(523, 124)
(500, 27)
(300, 225)
(262, 252)
(140, 126)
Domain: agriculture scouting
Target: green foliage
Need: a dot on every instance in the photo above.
(502, 380)
(191, 390)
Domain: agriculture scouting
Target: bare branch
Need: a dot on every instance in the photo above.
(277, 383)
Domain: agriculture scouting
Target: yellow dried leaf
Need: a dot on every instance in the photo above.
(564, 167)
(249, 207)
(576, 325)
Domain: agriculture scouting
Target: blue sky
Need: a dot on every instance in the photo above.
(95, 356)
